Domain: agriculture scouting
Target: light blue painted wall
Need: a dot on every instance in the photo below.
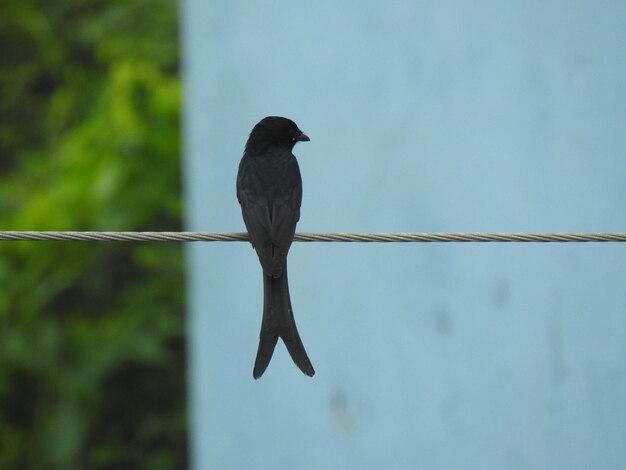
(423, 116)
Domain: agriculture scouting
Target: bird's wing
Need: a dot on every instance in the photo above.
(271, 213)
(284, 219)
(256, 216)
(286, 213)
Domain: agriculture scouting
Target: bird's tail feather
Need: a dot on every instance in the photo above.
(278, 322)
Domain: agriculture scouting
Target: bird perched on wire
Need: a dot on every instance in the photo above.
(269, 190)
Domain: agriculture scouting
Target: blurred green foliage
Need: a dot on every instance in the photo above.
(92, 351)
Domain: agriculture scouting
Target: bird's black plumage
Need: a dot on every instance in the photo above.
(269, 189)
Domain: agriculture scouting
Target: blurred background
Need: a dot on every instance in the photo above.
(92, 344)
(424, 116)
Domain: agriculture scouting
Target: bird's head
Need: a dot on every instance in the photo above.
(274, 131)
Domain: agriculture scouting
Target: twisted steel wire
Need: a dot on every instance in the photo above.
(423, 237)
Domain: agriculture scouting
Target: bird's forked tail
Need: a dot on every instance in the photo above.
(278, 322)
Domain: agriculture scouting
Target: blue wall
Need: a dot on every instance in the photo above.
(423, 116)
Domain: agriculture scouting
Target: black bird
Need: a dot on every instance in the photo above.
(269, 189)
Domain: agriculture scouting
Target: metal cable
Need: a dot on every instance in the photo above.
(559, 237)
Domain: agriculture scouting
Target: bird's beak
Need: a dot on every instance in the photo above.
(301, 138)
